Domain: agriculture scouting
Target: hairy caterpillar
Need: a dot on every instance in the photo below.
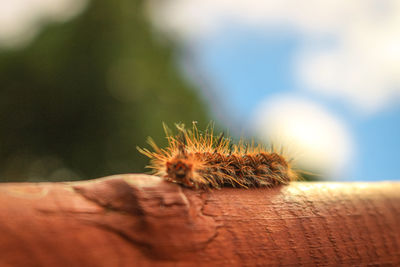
(200, 160)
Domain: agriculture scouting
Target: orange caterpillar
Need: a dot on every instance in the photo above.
(202, 160)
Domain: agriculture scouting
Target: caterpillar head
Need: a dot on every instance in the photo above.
(180, 171)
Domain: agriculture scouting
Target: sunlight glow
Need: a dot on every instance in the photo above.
(314, 137)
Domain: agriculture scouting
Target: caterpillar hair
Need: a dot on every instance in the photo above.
(202, 160)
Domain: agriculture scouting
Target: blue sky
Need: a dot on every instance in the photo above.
(322, 77)
(247, 67)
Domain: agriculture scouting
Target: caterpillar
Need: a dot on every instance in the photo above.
(198, 159)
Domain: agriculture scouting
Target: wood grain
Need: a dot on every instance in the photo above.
(140, 220)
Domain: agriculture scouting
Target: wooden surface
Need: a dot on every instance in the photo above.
(129, 220)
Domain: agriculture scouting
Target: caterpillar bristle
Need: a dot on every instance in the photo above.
(202, 160)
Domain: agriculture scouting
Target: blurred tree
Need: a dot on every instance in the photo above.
(77, 101)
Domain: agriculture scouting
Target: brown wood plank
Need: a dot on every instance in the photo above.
(137, 219)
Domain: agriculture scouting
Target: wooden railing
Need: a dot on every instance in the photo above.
(140, 220)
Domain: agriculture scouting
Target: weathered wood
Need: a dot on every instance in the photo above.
(127, 220)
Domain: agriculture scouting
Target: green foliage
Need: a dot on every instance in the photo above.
(77, 102)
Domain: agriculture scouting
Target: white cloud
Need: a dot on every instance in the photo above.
(21, 20)
(362, 67)
(311, 135)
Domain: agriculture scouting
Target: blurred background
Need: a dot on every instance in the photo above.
(82, 83)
